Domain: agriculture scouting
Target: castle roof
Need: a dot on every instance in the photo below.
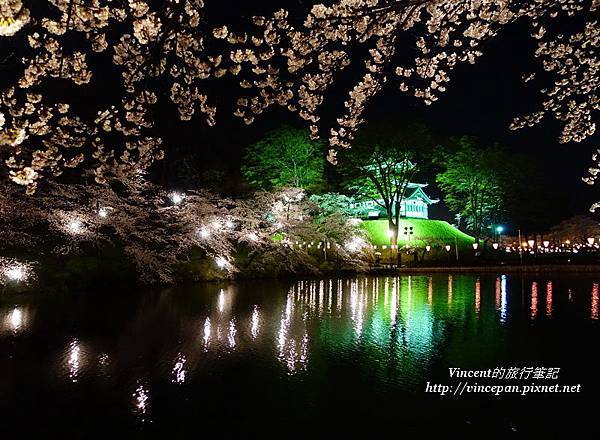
(415, 191)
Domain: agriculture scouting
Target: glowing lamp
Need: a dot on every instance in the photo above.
(499, 229)
(546, 243)
(531, 243)
(221, 262)
(75, 226)
(475, 246)
(15, 273)
(495, 245)
(591, 240)
(354, 244)
(427, 248)
(447, 248)
(176, 198)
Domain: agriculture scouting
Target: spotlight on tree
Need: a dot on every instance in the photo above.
(15, 273)
(176, 198)
(75, 226)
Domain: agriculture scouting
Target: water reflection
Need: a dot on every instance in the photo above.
(15, 320)
(395, 327)
(594, 308)
(478, 296)
(534, 300)
(141, 397)
(503, 299)
(73, 360)
(207, 331)
(255, 322)
(549, 299)
(179, 371)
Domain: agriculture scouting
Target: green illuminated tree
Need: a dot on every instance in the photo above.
(475, 182)
(285, 157)
(381, 164)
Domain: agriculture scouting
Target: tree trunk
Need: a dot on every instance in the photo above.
(393, 236)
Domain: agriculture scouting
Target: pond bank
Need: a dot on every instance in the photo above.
(588, 268)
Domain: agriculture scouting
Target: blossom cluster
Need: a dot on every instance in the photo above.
(158, 230)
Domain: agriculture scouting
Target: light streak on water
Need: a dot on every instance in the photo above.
(594, 308)
(534, 300)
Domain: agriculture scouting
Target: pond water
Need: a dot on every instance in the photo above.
(299, 358)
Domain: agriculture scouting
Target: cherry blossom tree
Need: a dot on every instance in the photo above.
(160, 232)
(166, 48)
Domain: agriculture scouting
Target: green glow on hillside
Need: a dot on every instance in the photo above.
(424, 232)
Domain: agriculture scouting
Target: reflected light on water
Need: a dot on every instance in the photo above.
(477, 296)
(503, 299)
(430, 291)
(534, 300)
(498, 293)
(549, 299)
(15, 321)
(385, 328)
(179, 371)
(141, 402)
(206, 336)
(255, 322)
(74, 360)
(356, 307)
(231, 332)
(594, 308)
(394, 304)
(221, 301)
(290, 352)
